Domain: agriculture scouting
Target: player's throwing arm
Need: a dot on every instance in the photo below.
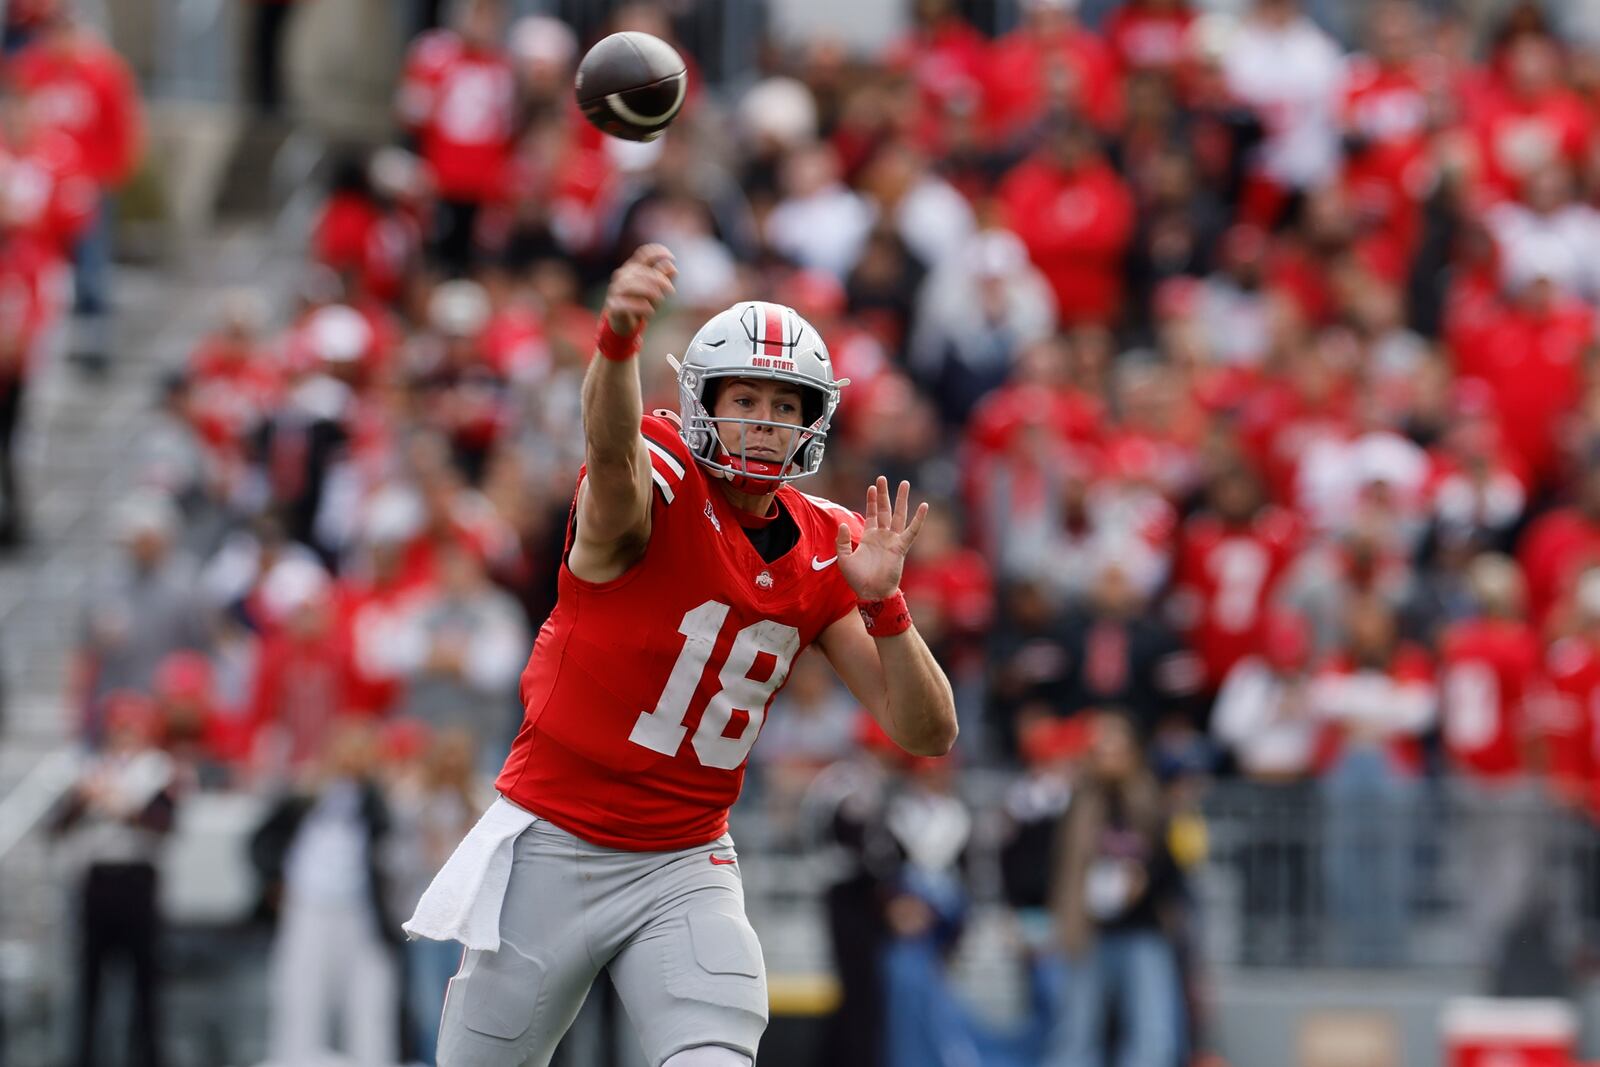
(614, 502)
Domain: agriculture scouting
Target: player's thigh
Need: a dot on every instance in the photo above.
(510, 1008)
(694, 975)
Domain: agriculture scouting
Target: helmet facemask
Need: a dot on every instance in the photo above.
(702, 431)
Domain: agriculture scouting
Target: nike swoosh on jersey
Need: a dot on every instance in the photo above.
(822, 564)
(720, 862)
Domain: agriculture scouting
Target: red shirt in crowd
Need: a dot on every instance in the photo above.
(1487, 669)
(948, 61)
(459, 101)
(302, 684)
(1386, 110)
(1570, 721)
(1226, 574)
(1555, 549)
(1392, 706)
(1077, 226)
(1532, 360)
(377, 247)
(1144, 38)
(1516, 136)
(1030, 75)
(233, 387)
(88, 93)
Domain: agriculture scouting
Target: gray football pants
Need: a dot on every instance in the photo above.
(668, 926)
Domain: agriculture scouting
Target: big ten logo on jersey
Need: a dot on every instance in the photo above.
(663, 729)
(711, 513)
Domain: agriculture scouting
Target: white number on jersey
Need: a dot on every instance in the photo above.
(663, 729)
(1239, 567)
(1471, 705)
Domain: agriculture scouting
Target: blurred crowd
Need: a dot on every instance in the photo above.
(1251, 377)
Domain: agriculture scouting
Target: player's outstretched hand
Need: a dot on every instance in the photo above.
(873, 567)
(638, 287)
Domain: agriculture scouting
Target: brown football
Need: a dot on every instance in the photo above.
(631, 85)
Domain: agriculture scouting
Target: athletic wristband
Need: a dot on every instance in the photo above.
(615, 346)
(886, 617)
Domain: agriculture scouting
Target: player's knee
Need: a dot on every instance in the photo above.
(708, 1056)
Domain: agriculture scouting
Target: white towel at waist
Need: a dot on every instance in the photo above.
(463, 901)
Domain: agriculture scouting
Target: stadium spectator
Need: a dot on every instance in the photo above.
(143, 608)
(1076, 215)
(1114, 892)
(460, 649)
(457, 99)
(1375, 699)
(320, 855)
(978, 307)
(1286, 69)
(435, 798)
(46, 199)
(77, 84)
(115, 820)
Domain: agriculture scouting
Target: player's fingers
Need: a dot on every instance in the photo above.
(915, 525)
(871, 512)
(902, 502)
(885, 504)
(650, 253)
(841, 541)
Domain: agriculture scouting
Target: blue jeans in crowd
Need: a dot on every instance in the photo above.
(1137, 971)
(1368, 824)
(927, 1025)
(429, 967)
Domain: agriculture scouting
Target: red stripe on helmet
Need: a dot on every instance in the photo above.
(772, 331)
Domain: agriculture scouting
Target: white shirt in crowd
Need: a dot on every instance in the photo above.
(1292, 75)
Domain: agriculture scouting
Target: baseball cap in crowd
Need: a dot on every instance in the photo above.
(146, 513)
(543, 40)
(338, 334)
(459, 309)
(292, 584)
(781, 110)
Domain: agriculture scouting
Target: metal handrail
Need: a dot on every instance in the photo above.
(26, 806)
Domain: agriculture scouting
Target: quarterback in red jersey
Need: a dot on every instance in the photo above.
(693, 576)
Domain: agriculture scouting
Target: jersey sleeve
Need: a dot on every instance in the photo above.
(669, 456)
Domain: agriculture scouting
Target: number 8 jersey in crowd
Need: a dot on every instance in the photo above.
(644, 694)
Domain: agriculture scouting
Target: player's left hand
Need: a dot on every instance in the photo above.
(873, 566)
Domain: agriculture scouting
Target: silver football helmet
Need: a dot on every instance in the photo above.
(757, 339)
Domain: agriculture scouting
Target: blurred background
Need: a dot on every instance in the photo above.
(1245, 348)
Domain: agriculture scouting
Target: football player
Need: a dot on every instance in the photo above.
(693, 575)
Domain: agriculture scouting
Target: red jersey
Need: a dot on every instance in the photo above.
(1031, 74)
(1148, 39)
(1556, 547)
(46, 195)
(460, 102)
(644, 694)
(89, 94)
(1569, 715)
(1487, 667)
(1533, 363)
(1227, 575)
(1077, 226)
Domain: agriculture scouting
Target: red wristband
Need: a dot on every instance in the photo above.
(886, 617)
(615, 346)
